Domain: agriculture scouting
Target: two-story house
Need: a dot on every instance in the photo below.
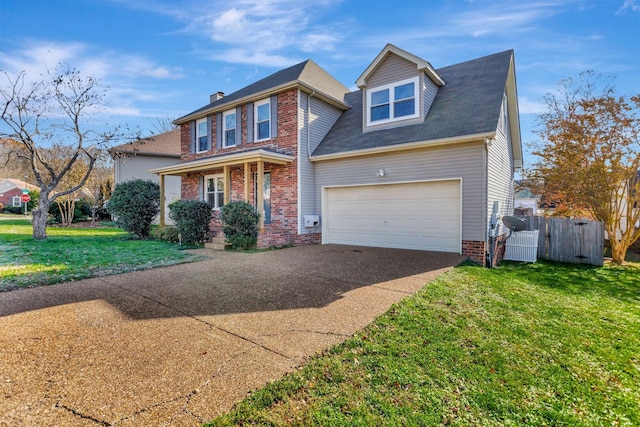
(417, 158)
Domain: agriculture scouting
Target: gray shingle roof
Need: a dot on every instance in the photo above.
(164, 144)
(307, 72)
(468, 104)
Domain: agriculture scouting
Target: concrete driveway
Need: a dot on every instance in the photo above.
(177, 346)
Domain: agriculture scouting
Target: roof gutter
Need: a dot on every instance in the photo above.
(403, 147)
(257, 95)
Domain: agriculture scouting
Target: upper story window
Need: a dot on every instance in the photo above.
(202, 134)
(229, 128)
(504, 117)
(214, 190)
(396, 101)
(262, 117)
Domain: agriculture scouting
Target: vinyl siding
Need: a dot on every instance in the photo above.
(323, 116)
(500, 185)
(445, 162)
(392, 69)
(430, 90)
(136, 167)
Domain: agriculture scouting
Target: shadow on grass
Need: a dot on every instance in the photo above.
(620, 282)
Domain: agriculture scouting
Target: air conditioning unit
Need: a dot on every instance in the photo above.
(522, 246)
(311, 221)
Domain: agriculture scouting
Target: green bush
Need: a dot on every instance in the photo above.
(135, 204)
(35, 198)
(18, 210)
(192, 219)
(81, 212)
(167, 233)
(240, 224)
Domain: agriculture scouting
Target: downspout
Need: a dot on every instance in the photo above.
(492, 221)
(309, 124)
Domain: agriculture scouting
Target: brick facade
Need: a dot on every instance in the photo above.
(474, 250)
(283, 229)
(477, 251)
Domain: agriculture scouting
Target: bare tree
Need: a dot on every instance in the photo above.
(12, 165)
(589, 156)
(58, 110)
(162, 125)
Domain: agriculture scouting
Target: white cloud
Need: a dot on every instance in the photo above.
(272, 30)
(502, 17)
(634, 5)
(122, 75)
(526, 106)
(249, 57)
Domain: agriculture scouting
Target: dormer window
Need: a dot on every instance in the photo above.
(396, 101)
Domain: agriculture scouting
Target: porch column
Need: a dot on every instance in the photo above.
(227, 184)
(247, 181)
(161, 200)
(260, 193)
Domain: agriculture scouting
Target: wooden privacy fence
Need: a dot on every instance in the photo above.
(577, 241)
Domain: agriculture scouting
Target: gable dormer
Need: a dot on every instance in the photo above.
(398, 89)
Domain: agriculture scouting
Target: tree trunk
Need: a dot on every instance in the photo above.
(40, 218)
(618, 251)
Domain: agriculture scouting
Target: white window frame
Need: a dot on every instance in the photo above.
(504, 117)
(215, 193)
(198, 135)
(390, 88)
(225, 129)
(256, 122)
(16, 202)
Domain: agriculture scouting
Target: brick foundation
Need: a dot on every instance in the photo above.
(475, 250)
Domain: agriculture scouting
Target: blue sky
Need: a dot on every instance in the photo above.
(162, 59)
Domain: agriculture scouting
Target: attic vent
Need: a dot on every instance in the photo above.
(216, 96)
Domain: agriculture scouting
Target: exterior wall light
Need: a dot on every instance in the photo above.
(381, 173)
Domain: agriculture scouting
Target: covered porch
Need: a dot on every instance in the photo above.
(244, 159)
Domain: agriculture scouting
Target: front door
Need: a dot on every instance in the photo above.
(266, 195)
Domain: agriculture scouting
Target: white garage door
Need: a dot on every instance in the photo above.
(424, 215)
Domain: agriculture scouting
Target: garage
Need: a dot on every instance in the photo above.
(417, 215)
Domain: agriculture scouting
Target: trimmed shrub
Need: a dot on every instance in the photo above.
(81, 212)
(135, 204)
(167, 233)
(240, 224)
(14, 210)
(192, 218)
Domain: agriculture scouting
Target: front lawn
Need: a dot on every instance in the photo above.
(76, 253)
(541, 344)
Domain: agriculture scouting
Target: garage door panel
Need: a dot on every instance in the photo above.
(412, 216)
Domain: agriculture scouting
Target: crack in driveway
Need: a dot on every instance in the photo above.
(196, 318)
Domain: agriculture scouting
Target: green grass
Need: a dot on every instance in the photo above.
(541, 344)
(76, 253)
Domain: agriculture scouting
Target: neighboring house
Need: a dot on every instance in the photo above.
(132, 161)
(417, 158)
(525, 203)
(11, 190)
